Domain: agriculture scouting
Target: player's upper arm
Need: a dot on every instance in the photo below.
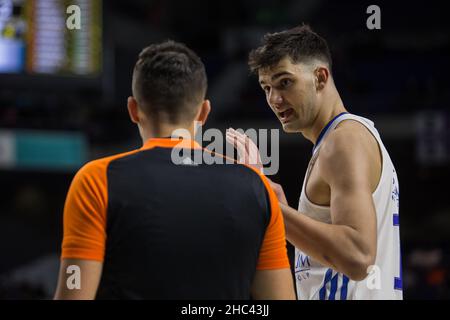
(345, 165)
(78, 279)
(273, 285)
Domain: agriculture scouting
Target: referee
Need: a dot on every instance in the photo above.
(138, 225)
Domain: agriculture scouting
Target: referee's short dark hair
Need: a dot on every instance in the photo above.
(170, 79)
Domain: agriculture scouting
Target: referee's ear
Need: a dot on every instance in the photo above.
(133, 109)
(203, 112)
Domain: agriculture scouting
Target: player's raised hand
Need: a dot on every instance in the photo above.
(248, 152)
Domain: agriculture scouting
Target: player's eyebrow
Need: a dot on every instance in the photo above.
(276, 76)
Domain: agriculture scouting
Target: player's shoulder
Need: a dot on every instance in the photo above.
(347, 147)
(347, 138)
(349, 151)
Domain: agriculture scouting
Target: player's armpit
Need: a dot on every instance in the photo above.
(276, 284)
(78, 279)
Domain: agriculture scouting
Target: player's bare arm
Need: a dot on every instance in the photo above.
(346, 164)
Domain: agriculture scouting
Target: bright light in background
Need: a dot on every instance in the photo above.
(34, 38)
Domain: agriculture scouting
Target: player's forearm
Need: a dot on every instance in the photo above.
(337, 246)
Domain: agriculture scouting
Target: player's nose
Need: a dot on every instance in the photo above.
(275, 99)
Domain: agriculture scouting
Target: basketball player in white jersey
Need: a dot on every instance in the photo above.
(346, 228)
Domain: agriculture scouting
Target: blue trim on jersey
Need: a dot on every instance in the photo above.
(322, 133)
(396, 219)
(323, 290)
(334, 284)
(398, 285)
(345, 280)
(398, 282)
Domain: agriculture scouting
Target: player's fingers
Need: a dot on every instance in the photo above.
(237, 143)
(237, 139)
(233, 139)
(251, 148)
(250, 145)
(248, 151)
(244, 139)
(244, 156)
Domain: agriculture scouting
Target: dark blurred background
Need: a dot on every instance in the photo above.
(63, 102)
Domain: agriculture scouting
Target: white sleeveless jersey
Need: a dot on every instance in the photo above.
(384, 281)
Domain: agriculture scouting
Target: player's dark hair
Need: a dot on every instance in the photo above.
(300, 44)
(169, 78)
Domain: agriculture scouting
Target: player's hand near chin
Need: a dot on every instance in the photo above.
(248, 154)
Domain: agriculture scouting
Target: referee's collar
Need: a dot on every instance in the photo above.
(171, 142)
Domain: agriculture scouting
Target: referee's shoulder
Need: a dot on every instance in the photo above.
(99, 166)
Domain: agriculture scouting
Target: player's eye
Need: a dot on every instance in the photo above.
(285, 82)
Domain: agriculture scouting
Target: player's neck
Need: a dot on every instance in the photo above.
(326, 113)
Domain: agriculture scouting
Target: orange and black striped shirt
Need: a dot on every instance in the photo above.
(173, 231)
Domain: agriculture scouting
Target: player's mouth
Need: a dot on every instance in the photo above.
(286, 115)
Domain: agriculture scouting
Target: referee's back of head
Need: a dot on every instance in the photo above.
(169, 82)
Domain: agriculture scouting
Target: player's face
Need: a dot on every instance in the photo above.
(290, 93)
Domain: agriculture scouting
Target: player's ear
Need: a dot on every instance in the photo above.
(321, 76)
(133, 109)
(203, 112)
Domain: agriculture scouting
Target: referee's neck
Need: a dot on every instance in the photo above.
(167, 130)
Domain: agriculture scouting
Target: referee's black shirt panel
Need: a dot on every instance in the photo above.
(181, 231)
